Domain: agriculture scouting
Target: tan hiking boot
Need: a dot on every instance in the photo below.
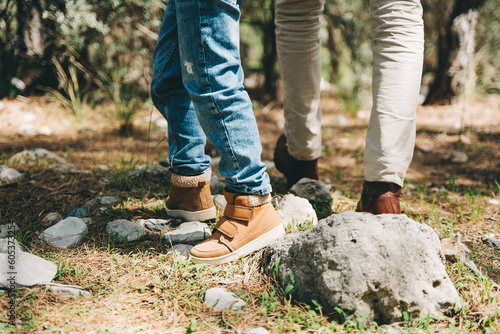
(190, 198)
(249, 223)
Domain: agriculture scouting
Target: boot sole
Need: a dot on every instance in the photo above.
(251, 247)
(201, 215)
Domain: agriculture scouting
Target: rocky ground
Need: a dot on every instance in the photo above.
(453, 185)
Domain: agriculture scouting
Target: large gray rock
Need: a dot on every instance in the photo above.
(103, 200)
(22, 268)
(65, 234)
(122, 230)
(378, 266)
(188, 233)
(296, 212)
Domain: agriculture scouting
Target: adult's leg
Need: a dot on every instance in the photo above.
(398, 44)
(298, 45)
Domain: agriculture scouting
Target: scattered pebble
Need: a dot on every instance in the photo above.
(9, 230)
(465, 140)
(458, 157)
(220, 202)
(37, 155)
(454, 249)
(258, 330)
(189, 232)
(296, 211)
(182, 249)
(341, 120)
(103, 167)
(221, 299)
(216, 185)
(104, 200)
(122, 230)
(78, 212)
(157, 225)
(52, 218)
(65, 234)
(9, 176)
(269, 164)
(30, 269)
(68, 291)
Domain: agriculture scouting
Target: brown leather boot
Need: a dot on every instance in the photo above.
(190, 198)
(379, 198)
(293, 169)
(249, 223)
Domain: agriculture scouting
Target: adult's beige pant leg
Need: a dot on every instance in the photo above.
(397, 55)
(398, 44)
(298, 44)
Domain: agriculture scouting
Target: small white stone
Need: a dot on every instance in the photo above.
(458, 157)
(219, 202)
(258, 330)
(465, 140)
(66, 291)
(45, 130)
(341, 120)
(28, 117)
(27, 129)
(221, 299)
(10, 175)
(296, 211)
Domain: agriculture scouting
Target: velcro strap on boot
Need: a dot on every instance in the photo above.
(238, 212)
(227, 228)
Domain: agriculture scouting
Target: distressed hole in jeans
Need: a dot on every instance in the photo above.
(189, 67)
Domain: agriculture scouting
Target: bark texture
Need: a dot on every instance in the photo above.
(456, 53)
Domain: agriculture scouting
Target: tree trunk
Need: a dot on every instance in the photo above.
(333, 47)
(29, 53)
(270, 55)
(456, 53)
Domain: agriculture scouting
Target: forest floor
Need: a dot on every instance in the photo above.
(453, 185)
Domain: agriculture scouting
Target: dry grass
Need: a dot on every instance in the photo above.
(143, 287)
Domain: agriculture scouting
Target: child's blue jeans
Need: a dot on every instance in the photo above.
(198, 87)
